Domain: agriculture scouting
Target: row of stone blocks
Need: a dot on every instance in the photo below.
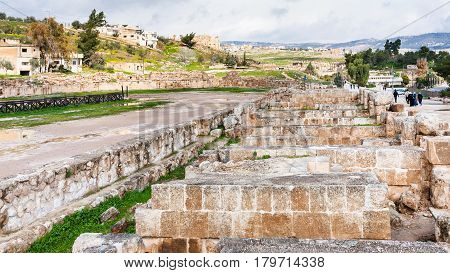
(341, 206)
(340, 113)
(292, 121)
(279, 141)
(319, 131)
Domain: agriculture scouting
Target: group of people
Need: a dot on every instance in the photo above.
(412, 98)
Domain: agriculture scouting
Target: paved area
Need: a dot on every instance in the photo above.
(430, 106)
(43, 145)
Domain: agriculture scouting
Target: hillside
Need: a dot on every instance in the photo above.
(434, 41)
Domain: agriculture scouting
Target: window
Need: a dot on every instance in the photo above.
(74, 62)
(24, 50)
(25, 63)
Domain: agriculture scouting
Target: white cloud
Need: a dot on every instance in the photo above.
(257, 20)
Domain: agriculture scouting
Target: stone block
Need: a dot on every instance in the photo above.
(317, 197)
(276, 225)
(170, 224)
(248, 201)
(376, 197)
(397, 107)
(109, 243)
(220, 224)
(212, 197)
(300, 198)
(231, 197)
(377, 225)
(247, 225)
(346, 226)
(336, 199)
(438, 150)
(316, 166)
(440, 187)
(311, 225)
(194, 198)
(176, 197)
(388, 158)
(356, 196)
(148, 222)
(365, 158)
(160, 197)
(194, 224)
(281, 199)
(264, 199)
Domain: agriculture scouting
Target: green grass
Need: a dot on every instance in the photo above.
(72, 112)
(62, 236)
(232, 141)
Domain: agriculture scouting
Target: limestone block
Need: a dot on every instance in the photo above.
(440, 186)
(311, 225)
(216, 133)
(397, 107)
(109, 214)
(110, 243)
(438, 150)
(442, 224)
(430, 124)
(381, 97)
(408, 128)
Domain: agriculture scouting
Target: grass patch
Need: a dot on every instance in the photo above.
(263, 74)
(232, 141)
(62, 236)
(264, 157)
(368, 124)
(72, 112)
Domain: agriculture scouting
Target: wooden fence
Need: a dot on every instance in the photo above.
(36, 104)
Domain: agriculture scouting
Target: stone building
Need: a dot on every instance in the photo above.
(208, 41)
(19, 55)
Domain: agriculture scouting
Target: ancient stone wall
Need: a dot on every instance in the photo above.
(28, 197)
(50, 84)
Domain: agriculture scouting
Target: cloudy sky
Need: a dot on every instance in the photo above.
(256, 20)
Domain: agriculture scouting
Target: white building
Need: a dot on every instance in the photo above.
(74, 64)
(131, 34)
(382, 79)
(20, 56)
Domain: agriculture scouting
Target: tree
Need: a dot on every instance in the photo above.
(89, 42)
(359, 72)
(405, 79)
(392, 47)
(49, 36)
(7, 65)
(310, 69)
(230, 61)
(2, 16)
(339, 80)
(76, 24)
(443, 68)
(188, 40)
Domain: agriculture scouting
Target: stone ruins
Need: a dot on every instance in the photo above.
(315, 164)
(311, 165)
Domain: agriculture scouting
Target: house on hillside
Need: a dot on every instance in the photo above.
(131, 34)
(384, 79)
(21, 57)
(25, 59)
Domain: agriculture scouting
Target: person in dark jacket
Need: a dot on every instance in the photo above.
(395, 95)
(420, 98)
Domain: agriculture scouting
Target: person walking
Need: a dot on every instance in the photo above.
(420, 98)
(395, 95)
(414, 98)
(407, 96)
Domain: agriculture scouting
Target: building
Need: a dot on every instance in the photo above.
(131, 34)
(25, 59)
(74, 64)
(384, 79)
(208, 41)
(20, 56)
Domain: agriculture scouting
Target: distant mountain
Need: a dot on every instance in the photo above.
(434, 41)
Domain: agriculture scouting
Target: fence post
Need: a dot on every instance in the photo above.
(127, 92)
(123, 95)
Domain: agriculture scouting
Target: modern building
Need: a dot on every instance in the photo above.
(20, 56)
(25, 59)
(384, 79)
(131, 34)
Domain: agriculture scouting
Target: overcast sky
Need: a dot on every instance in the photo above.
(256, 20)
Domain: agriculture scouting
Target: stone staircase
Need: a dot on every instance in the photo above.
(300, 171)
(311, 119)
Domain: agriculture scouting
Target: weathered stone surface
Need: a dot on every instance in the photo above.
(438, 150)
(228, 245)
(216, 133)
(442, 224)
(430, 124)
(397, 107)
(110, 243)
(382, 97)
(109, 214)
(120, 226)
(440, 186)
